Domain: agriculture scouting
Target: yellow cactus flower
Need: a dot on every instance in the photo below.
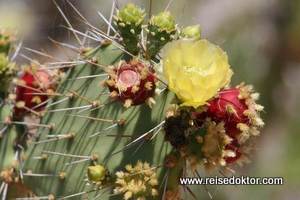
(195, 70)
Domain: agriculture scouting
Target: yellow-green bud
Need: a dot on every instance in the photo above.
(131, 14)
(191, 32)
(164, 21)
(96, 173)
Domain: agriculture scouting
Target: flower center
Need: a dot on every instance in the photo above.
(128, 78)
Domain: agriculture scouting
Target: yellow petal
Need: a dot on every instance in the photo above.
(195, 70)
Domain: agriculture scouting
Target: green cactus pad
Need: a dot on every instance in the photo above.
(138, 121)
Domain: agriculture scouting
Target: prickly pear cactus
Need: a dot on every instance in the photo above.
(103, 131)
(127, 120)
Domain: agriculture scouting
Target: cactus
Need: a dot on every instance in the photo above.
(129, 23)
(161, 30)
(7, 68)
(7, 138)
(116, 127)
(102, 130)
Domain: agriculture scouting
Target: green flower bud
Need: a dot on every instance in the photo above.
(161, 29)
(96, 173)
(191, 32)
(164, 21)
(131, 14)
(129, 24)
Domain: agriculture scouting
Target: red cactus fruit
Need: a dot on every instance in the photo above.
(31, 91)
(236, 107)
(132, 83)
(229, 108)
(234, 147)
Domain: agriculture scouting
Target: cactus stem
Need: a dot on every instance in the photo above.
(67, 21)
(72, 108)
(67, 155)
(106, 129)
(55, 138)
(87, 77)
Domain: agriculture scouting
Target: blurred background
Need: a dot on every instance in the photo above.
(262, 39)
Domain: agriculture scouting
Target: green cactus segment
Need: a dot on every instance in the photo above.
(110, 143)
(129, 22)
(161, 30)
(7, 139)
(5, 42)
(191, 32)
